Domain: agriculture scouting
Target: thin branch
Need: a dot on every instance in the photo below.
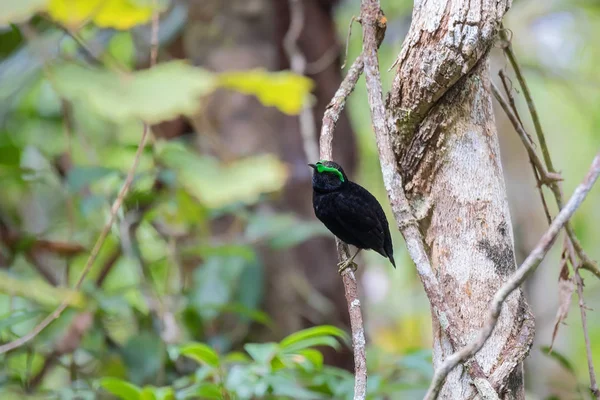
(527, 94)
(586, 335)
(507, 89)
(101, 239)
(569, 243)
(356, 325)
(348, 41)
(545, 176)
(582, 309)
(505, 82)
(298, 64)
(323, 62)
(330, 118)
(527, 268)
(373, 23)
(336, 106)
(587, 262)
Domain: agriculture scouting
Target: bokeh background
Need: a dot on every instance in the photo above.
(217, 244)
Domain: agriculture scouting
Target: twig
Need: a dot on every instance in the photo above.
(527, 267)
(108, 265)
(348, 41)
(505, 80)
(330, 118)
(507, 89)
(586, 335)
(332, 113)
(298, 64)
(373, 23)
(323, 62)
(335, 107)
(103, 235)
(582, 308)
(587, 262)
(545, 176)
(101, 239)
(527, 94)
(569, 244)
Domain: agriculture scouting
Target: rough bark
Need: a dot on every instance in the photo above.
(441, 120)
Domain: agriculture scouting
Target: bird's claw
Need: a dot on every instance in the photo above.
(344, 265)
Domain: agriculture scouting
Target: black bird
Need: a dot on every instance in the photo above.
(350, 212)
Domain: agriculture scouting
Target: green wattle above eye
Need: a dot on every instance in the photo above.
(322, 168)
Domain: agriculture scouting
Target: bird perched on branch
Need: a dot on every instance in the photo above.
(350, 212)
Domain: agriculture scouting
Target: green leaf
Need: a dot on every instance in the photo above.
(284, 385)
(250, 292)
(153, 95)
(147, 394)
(560, 358)
(244, 312)
(223, 250)
(285, 90)
(10, 155)
(236, 357)
(122, 49)
(80, 177)
(262, 353)
(200, 353)
(119, 14)
(312, 356)
(16, 317)
(218, 185)
(39, 291)
(282, 230)
(17, 11)
(319, 332)
(143, 356)
(214, 283)
(311, 342)
(120, 388)
(208, 391)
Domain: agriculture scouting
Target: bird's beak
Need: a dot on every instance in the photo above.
(313, 166)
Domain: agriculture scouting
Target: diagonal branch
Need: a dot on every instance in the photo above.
(330, 118)
(525, 270)
(107, 227)
(587, 262)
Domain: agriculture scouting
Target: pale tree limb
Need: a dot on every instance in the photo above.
(330, 118)
(298, 65)
(371, 18)
(307, 129)
(107, 226)
(525, 270)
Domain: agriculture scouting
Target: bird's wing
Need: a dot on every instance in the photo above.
(359, 217)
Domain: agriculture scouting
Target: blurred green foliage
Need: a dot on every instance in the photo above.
(171, 303)
(173, 300)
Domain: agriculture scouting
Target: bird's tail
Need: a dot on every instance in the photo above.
(391, 257)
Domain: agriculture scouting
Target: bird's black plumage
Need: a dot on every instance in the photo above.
(349, 211)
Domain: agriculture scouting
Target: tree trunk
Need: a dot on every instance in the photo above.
(442, 123)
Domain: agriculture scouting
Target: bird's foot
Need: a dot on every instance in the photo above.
(344, 265)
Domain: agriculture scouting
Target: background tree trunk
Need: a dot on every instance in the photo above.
(245, 34)
(445, 138)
